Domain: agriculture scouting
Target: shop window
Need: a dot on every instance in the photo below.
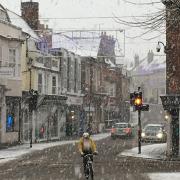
(10, 123)
(12, 116)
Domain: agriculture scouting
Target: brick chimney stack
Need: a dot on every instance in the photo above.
(30, 13)
(107, 47)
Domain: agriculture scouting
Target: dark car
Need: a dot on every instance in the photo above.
(154, 133)
(121, 130)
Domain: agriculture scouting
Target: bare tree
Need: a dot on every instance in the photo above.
(155, 21)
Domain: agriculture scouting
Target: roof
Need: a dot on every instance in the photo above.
(6, 17)
(81, 43)
(18, 21)
(145, 68)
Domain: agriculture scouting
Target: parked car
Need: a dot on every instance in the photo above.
(154, 133)
(121, 129)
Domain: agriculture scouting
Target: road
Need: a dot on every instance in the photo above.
(64, 163)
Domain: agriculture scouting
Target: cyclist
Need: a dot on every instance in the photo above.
(86, 146)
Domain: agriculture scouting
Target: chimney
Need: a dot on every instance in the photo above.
(136, 60)
(150, 56)
(30, 13)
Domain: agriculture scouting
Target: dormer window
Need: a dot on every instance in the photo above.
(3, 14)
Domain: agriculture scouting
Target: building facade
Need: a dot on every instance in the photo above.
(149, 74)
(11, 42)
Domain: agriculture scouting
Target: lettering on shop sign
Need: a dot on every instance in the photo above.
(170, 101)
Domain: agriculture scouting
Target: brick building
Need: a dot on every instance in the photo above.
(171, 100)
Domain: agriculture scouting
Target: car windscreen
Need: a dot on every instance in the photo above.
(153, 128)
(121, 125)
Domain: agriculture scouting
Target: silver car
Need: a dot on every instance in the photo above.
(154, 133)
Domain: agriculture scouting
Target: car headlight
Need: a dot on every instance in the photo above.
(143, 134)
(159, 135)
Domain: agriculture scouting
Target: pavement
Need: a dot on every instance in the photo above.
(152, 151)
(156, 152)
(20, 150)
(47, 164)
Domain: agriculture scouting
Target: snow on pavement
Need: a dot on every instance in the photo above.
(153, 151)
(19, 150)
(164, 176)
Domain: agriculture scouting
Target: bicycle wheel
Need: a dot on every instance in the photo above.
(91, 172)
(87, 172)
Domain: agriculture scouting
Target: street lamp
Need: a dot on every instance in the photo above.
(158, 47)
(29, 63)
(89, 110)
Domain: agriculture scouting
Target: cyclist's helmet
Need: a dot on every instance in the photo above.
(86, 135)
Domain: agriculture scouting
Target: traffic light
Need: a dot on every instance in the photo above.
(137, 102)
(145, 107)
(138, 98)
(33, 100)
(132, 99)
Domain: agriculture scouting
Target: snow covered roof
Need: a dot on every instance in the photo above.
(18, 21)
(81, 43)
(108, 61)
(158, 63)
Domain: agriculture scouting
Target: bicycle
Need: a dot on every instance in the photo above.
(88, 169)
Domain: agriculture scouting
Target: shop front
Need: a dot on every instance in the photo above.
(74, 116)
(47, 121)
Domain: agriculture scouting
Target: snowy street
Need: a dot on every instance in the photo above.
(61, 160)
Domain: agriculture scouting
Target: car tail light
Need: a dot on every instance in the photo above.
(127, 130)
(113, 130)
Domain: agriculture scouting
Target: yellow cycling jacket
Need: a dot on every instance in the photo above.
(81, 145)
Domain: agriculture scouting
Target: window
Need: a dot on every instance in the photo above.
(47, 62)
(39, 60)
(12, 115)
(40, 84)
(54, 85)
(75, 75)
(68, 73)
(12, 57)
(54, 63)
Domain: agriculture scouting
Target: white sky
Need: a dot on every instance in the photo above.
(95, 8)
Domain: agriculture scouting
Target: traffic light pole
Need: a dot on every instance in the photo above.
(139, 131)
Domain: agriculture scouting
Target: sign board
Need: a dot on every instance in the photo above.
(74, 101)
(6, 72)
(169, 101)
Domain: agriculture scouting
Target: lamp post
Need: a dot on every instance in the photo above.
(30, 108)
(89, 92)
(158, 47)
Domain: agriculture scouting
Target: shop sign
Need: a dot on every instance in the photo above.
(74, 101)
